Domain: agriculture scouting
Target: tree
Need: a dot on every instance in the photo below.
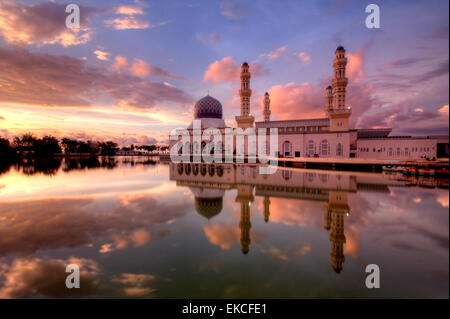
(108, 148)
(47, 146)
(6, 150)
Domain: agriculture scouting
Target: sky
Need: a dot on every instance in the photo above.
(134, 69)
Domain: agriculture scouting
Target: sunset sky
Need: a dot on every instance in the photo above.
(134, 69)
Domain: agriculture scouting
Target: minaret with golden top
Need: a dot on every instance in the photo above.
(266, 107)
(339, 113)
(246, 119)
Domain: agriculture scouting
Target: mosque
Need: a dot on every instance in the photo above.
(330, 136)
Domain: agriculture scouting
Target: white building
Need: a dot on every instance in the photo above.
(329, 137)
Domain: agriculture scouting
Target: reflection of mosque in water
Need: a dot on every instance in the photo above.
(208, 183)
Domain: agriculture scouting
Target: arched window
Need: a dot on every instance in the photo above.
(324, 148)
(390, 152)
(211, 170)
(339, 150)
(406, 151)
(398, 151)
(287, 174)
(287, 148)
(310, 148)
(187, 168)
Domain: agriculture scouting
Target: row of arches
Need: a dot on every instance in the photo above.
(203, 169)
(311, 149)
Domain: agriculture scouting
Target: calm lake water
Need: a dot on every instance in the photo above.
(139, 228)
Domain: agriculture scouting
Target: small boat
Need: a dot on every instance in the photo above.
(427, 171)
(409, 170)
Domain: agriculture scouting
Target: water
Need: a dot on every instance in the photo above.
(139, 228)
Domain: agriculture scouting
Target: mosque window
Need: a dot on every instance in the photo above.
(310, 149)
(339, 149)
(324, 148)
(398, 151)
(287, 146)
(390, 151)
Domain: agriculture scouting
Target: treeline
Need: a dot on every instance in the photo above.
(29, 145)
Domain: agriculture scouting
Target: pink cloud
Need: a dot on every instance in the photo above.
(227, 70)
(50, 80)
(297, 101)
(42, 24)
(275, 54)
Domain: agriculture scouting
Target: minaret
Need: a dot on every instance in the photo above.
(266, 107)
(246, 119)
(266, 208)
(329, 98)
(338, 208)
(245, 197)
(339, 113)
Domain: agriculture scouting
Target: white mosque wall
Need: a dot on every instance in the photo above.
(397, 148)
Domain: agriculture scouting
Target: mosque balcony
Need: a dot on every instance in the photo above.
(339, 61)
(344, 111)
(339, 81)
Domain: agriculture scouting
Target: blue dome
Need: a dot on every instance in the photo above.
(245, 64)
(267, 93)
(340, 48)
(329, 87)
(208, 107)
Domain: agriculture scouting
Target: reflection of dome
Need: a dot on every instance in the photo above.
(208, 201)
(208, 107)
(208, 207)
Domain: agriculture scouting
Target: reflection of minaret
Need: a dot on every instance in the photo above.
(266, 107)
(338, 208)
(245, 120)
(266, 208)
(327, 219)
(245, 197)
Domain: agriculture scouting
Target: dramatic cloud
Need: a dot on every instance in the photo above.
(35, 277)
(141, 69)
(42, 24)
(31, 277)
(355, 68)
(101, 55)
(208, 38)
(275, 54)
(35, 225)
(227, 70)
(43, 79)
(129, 10)
(128, 22)
(291, 100)
(444, 110)
(224, 236)
(234, 10)
(302, 56)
